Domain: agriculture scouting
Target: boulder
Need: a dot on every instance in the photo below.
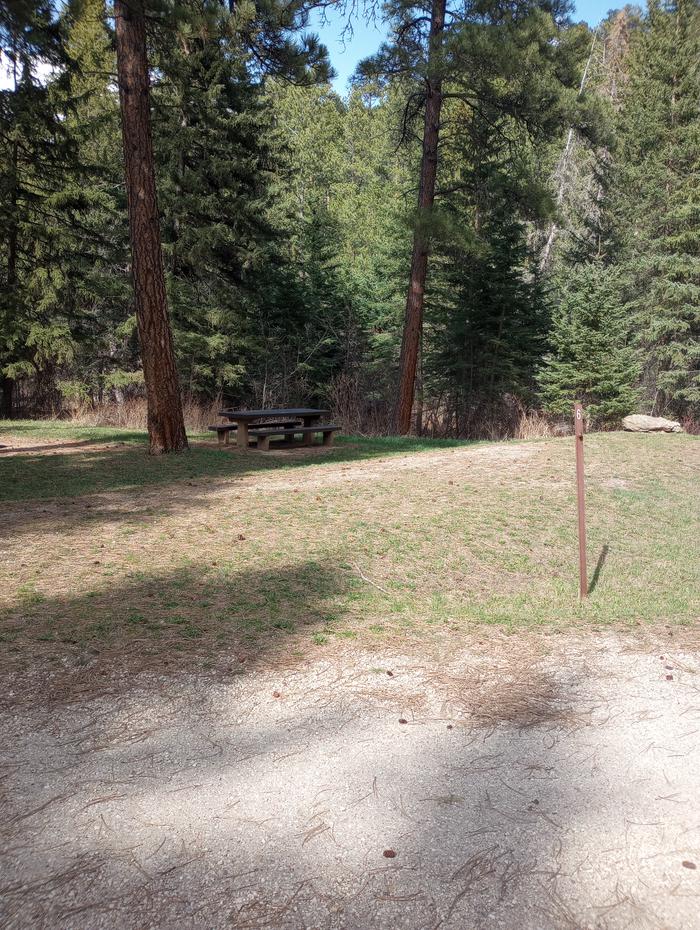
(638, 423)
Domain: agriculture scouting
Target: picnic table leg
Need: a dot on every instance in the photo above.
(308, 438)
(328, 439)
(242, 434)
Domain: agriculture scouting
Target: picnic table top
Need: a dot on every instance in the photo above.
(273, 412)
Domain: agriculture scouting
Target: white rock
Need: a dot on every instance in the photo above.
(638, 423)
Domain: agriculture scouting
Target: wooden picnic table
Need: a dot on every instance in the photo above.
(243, 418)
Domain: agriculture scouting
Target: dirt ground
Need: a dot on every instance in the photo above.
(530, 782)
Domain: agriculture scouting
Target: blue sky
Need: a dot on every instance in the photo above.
(346, 51)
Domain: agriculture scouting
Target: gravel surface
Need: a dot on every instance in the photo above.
(535, 783)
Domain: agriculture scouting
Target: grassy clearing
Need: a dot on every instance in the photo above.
(112, 459)
(108, 553)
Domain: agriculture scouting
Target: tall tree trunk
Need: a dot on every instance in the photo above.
(413, 320)
(166, 427)
(6, 401)
(8, 384)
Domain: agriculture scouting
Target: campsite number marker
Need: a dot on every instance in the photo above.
(581, 495)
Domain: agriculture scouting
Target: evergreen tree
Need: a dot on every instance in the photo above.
(519, 60)
(166, 425)
(657, 203)
(99, 302)
(488, 320)
(40, 203)
(375, 221)
(345, 208)
(220, 169)
(215, 170)
(486, 315)
(591, 356)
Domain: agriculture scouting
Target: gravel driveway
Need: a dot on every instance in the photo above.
(523, 783)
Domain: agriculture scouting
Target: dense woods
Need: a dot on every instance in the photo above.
(502, 215)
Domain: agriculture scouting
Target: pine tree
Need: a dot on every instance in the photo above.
(487, 321)
(657, 203)
(375, 222)
(486, 313)
(166, 425)
(221, 171)
(345, 208)
(214, 60)
(215, 168)
(40, 204)
(519, 60)
(99, 300)
(591, 358)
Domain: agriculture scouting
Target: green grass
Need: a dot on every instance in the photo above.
(111, 553)
(120, 463)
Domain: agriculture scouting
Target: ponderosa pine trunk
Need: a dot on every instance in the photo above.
(413, 320)
(7, 385)
(166, 427)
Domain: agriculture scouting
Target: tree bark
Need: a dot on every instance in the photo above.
(166, 427)
(413, 320)
(8, 384)
(6, 402)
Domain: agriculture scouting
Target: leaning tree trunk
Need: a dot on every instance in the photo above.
(413, 320)
(166, 427)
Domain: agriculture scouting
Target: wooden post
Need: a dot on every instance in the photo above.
(581, 499)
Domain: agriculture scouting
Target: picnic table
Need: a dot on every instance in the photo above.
(243, 418)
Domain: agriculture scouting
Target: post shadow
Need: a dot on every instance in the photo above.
(599, 567)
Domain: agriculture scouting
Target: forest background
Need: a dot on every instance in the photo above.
(562, 248)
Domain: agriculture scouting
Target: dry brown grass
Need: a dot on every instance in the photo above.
(505, 418)
(533, 424)
(131, 414)
(510, 419)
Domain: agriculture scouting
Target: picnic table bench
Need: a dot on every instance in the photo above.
(286, 422)
(263, 435)
(223, 430)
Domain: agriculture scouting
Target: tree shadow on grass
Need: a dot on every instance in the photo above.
(207, 615)
(46, 447)
(55, 483)
(31, 477)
